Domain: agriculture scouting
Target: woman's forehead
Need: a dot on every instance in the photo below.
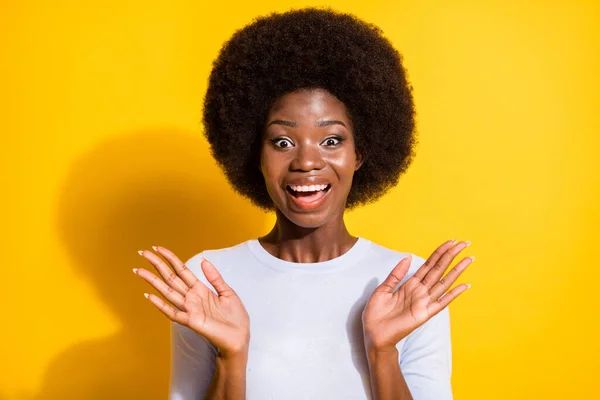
(314, 105)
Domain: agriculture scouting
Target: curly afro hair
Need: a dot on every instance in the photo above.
(310, 48)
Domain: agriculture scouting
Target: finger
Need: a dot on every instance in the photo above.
(167, 291)
(167, 273)
(433, 259)
(436, 272)
(215, 278)
(439, 304)
(397, 274)
(444, 283)
(173, 314)
(180, 268)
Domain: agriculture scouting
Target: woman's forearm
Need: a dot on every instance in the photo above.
(387, 381)
(229, 379)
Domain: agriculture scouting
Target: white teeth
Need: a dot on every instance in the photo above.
(311, 188)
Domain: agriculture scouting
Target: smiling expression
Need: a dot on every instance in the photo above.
(308, 157)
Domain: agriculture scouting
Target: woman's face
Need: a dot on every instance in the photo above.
(308, 156)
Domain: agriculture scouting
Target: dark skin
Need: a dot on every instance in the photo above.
(308, 133)
(307, 140)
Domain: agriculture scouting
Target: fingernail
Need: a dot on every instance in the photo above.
(453, 241)
(135, 270)
(468, 243)
(141, 252)
(468, 285)
(472, 258)
(146, 295)
(154, 247)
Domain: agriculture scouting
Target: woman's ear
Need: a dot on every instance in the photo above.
(359, 160)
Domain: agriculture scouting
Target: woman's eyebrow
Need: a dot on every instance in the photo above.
(282, 122)
(327, 123)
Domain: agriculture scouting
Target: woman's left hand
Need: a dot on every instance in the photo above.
(390, 316)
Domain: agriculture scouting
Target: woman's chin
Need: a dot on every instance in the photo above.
(308, 220)
(309, 223)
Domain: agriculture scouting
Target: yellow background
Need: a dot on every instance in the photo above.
(103, 155)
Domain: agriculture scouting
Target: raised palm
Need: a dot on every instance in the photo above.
(390, 316)
(221, 317)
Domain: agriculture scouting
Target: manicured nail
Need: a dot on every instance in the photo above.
(472, 258)
(141, 252)
(468, 242)
(146, 295)
(453, 241)
(154, 247)
(135, 271)
(468, 285)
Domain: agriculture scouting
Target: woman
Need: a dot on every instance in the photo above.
(309, 113)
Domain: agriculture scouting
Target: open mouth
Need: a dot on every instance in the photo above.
(308, 193)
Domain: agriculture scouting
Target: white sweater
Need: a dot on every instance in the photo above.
(305, 328)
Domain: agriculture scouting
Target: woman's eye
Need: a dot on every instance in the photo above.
(332, 141)
(282, 143)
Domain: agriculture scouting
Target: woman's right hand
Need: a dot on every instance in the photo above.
(221, 318)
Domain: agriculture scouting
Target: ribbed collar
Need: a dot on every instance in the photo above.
(346, 260)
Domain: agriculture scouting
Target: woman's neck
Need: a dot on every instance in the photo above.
(294, 243)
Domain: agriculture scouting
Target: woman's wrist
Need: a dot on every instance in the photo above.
(237, 362)
(234, 358)
(381, 355)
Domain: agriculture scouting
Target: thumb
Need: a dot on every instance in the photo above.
(397, 274)
(215, 278)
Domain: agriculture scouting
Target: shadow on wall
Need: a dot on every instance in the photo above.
(156, 187)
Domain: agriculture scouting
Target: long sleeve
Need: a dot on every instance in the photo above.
(193, 363)
(426, 359)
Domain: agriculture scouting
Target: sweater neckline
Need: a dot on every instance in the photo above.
(347, 259)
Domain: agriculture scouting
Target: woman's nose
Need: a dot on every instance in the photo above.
(307, 158)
